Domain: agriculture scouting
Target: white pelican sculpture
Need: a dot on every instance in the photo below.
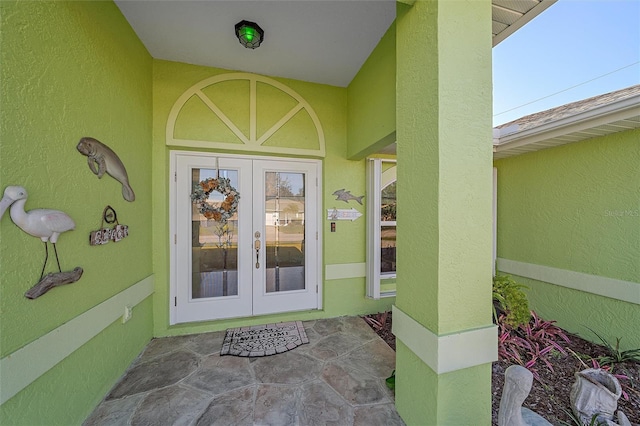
(517, 385)
(42, 223)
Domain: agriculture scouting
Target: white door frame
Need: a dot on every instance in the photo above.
(173, 278)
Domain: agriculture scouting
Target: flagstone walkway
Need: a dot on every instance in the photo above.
(337, 379)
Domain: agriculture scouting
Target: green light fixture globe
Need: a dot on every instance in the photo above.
(249, 34)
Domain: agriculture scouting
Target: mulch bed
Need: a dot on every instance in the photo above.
(549, 397)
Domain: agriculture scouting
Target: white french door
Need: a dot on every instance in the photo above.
(264, 258)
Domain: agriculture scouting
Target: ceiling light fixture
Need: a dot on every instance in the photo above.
(249, 34)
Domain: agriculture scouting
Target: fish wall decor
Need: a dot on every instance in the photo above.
(102, 159)
(345, 196)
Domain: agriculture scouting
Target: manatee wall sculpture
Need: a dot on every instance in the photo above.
(102, 159)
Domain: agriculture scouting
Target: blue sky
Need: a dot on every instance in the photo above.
(572, 42)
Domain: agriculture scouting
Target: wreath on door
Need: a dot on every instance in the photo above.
(227, 208)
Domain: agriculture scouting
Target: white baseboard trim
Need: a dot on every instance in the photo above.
(447, 353)
(340, 271)
(626, 291)
(22, 367)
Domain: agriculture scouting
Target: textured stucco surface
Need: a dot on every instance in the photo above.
(90, 76)
(444, 184)
(371, 97)
(418, 193)
(72, 69)
(413, 378)
(444, 171)
(576, 207)
(66, 394)
(347, 245)
(576, 310)
(445, 399)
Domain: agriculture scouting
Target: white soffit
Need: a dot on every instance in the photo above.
(320, 41)
(508, 16)
(598, 116)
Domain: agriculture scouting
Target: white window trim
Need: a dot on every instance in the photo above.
(495, 219)
(375, 184)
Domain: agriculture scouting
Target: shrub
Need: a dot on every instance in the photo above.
(511, 300)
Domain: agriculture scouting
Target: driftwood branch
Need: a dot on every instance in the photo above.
(53, 280)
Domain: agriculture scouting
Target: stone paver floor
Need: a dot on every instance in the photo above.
(337, 379)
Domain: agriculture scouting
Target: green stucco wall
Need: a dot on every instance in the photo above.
(371, 99)
(424, 205)
(427, 398)
(68, 70)
(444, 188)
(444, 185)
(68, 393)
(575, 310)
(347, 245)
(576, 207)
(444, 168)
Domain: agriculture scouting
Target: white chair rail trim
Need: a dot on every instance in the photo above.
(626, 291)
(340, 271)
(22, 367)
(447, 353)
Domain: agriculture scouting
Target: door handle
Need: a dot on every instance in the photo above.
(256, 245)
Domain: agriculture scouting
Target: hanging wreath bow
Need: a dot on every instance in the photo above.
(227, 208)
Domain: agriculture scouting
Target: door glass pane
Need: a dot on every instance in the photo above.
(214, 242)
(284, 239)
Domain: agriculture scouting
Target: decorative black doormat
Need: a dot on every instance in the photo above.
(264, 340)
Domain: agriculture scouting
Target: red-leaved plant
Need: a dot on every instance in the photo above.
(530, 344)
(377, 321)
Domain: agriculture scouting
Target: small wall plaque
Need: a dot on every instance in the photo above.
(104, 235)
(343, 214)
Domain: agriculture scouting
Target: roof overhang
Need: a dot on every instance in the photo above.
(305, 40)
(509, 16)
(600, 121)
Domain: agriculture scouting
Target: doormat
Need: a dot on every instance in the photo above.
(264, 340)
